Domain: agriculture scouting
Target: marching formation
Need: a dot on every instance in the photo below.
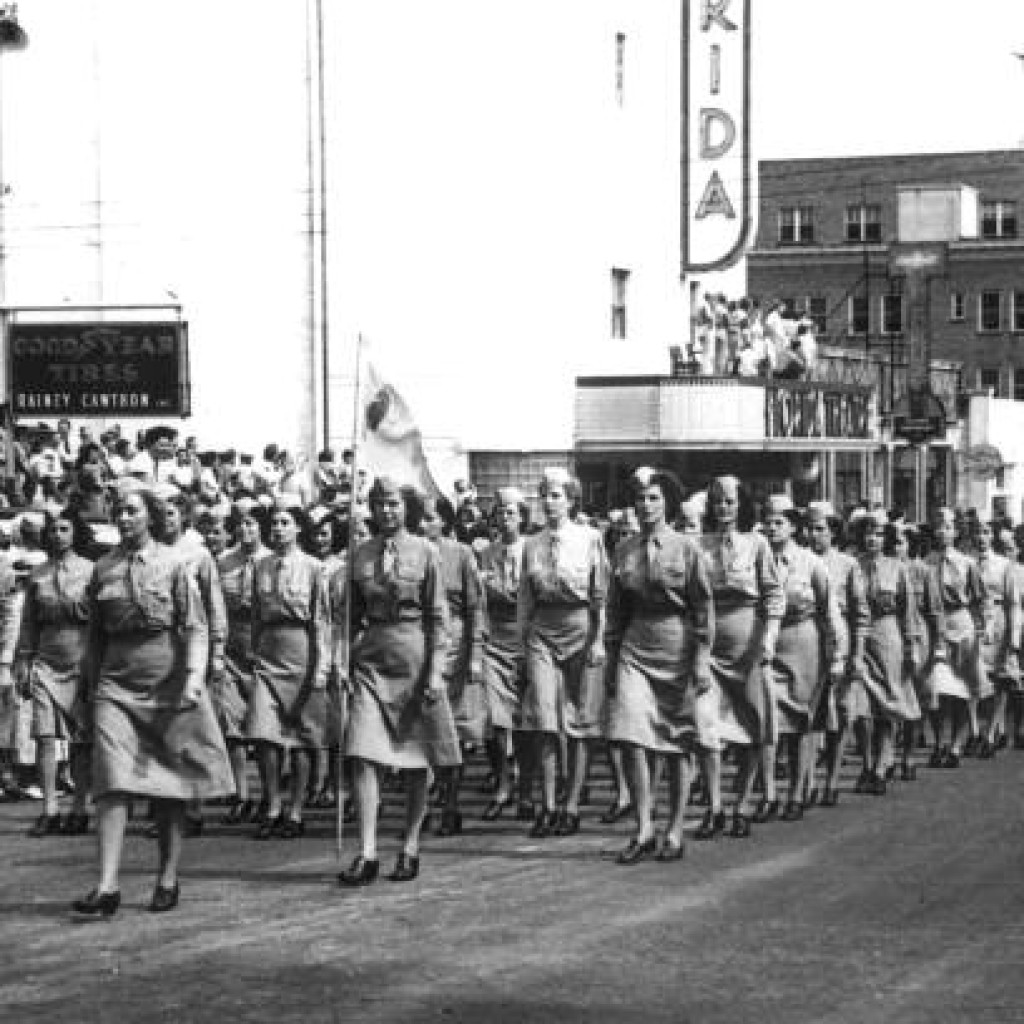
(362, 638)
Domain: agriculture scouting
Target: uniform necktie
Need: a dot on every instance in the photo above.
(388, 557)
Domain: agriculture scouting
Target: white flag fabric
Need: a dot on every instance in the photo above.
(391, 443)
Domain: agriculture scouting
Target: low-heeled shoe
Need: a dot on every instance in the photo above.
(360, 872)
(165, 897)
(97, 904)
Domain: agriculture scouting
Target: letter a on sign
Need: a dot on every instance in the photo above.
(715, 200)
(715, 142)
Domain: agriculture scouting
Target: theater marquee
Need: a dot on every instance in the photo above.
(98, 369)
(716, 201)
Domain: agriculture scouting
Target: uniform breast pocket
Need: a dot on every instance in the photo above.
(156, 601)
(886, 602)
(407, 585)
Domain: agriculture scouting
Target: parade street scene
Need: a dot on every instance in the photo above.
(511, 512)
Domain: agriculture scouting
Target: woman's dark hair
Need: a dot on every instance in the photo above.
(88, 449)
(745, 506)
(411, 499)
(339, 535)
(155, 509)
(81, 532)
(185, 505)
(667, 483)
(259, 514)
(298, 515)
(891, 536)
(859, 528)
(494, 522)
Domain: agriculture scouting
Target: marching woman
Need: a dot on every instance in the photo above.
(909, 545)
(1013, 724)
(805, 655)
(561, 618)
(840, 701)
(500, 566)
(748, 607)
(958, 673)
(232, 692)
(463, 659)
(291, 656)
(887, 669)
(155, 732)
(999, 646)
(398, 711)
(660, 621)
(187, 543)
(50, 659)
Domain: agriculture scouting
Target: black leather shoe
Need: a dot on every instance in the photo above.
(670, 850)
(97, 904)
(46, 825)
(164, 898)
(950, 760)
(636, 851)
(241, 812)
(908, 773)
(544, 825)
(863, 783)
(878, 786)
(525, 811)
(76, 825)
(451, 823)
(616, 812)
(292, 829)
(568, 824)
(935, 761)
(740, 827)
(830, 798)
(767, 810)
(712, 825)
(492, 812)
(406, 868)
(360, 872)
(794, 811)
(269, 828)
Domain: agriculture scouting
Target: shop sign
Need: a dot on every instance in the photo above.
(813, 412)
(98, 369)
(715, 161)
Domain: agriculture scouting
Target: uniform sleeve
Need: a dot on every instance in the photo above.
(772, 596)
(910, 622)
(858, 611)
(700, 598)
(616, 610)
(320, 630)
(10, 615)
(216, 610)
(525, 598)
(977, 596)
(28, 634)
(599, 573)
(827, 610)
(435, 616)
(475, 607)
(1011, 606)
(931, 609)
(191, 622)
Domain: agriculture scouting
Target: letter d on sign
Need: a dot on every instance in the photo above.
(710, 150)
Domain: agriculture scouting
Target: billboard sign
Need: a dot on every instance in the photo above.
(716, 215)
(98, 369)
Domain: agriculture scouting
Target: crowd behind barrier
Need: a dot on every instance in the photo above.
(168, 615)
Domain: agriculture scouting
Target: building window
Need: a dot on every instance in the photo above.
(1018, 311)
(620, 281)
(989, 380)
(620, 68)
(999, 219)
(817, 311)
(957, 306)
(988, 311)
(796, 225)
(864, 223)
(1018, 385)
(857, 314)
(892, 314)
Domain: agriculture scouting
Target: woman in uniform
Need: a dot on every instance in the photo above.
(660, 621)
(247, 525)
(561, 618)
(1013, 719)
(500, 566)
(155, 732)
(463, 661)
(842, 698)
(1001, 640)
(50, 658)
(806, 654)
(958, 673)
(291, 656)
(888, 665)
(748, 607)
(398, 711)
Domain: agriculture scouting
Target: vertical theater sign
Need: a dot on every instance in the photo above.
(715, 110)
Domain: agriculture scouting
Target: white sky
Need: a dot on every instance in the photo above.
(200, 142)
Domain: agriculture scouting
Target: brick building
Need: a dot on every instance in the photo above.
(824, 231)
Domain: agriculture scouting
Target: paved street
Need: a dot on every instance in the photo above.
(902, 909)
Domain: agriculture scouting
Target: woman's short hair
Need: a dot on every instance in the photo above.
(571, 486)
(258, 513)
(666, 482)
(317, 519)
(81, 532)
(411, 499)
(155, 509)
(745, 506)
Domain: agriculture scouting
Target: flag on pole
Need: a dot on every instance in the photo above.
(390, 442)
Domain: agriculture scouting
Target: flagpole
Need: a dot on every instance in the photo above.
(345, 644)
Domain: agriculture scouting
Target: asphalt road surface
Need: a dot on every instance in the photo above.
(906, 908)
